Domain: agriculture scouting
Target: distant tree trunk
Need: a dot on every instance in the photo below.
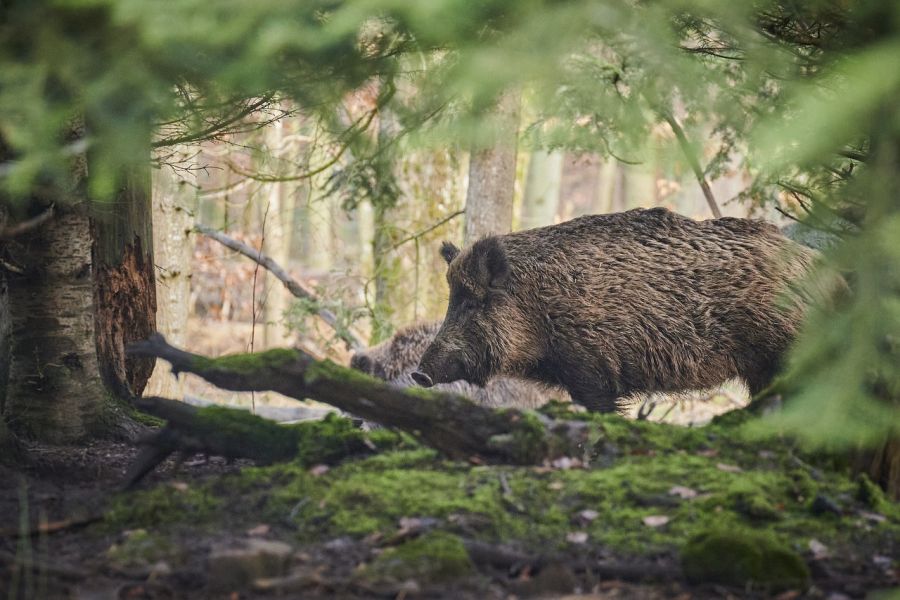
(607, 184)
(86, 291)
(620, 195)
(174, 205)
(277, 245)
(541, 200)
(492, 177)
(386, 269)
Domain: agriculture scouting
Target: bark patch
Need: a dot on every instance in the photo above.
(125, 300)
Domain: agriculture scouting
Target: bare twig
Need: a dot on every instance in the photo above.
(428, 229)
(293, 286)
(694, 162)
(10, 231)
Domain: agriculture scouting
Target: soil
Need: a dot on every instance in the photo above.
(73, 489)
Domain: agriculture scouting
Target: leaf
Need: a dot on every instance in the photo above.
(577, 537)
(656, 520)
(728, 468)
(683, 492)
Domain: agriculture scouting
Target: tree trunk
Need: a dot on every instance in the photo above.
(124, 284)
(492, 177)
(542, 186)
(86, 290)
(174, 206)
(54, 393)
(607, 186)
(277, 244)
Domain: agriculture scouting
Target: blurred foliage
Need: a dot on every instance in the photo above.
(803, 94)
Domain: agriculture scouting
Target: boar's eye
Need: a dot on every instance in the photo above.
(460, 298)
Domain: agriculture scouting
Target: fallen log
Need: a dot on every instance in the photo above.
(450, 423)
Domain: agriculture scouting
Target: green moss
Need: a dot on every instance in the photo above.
(753, 501)
(234, 428)
(434, 558)
(329, 441)
(527, 442)
(140, 548)
(870, 494)
(328, 370)
(640, 463)
(743, 558)
(161, 505)
(247, 363)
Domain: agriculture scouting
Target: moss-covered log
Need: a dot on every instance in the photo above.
(449, 423)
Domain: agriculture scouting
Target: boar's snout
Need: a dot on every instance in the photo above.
(423, 379)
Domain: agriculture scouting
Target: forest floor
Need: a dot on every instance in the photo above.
(660, 511)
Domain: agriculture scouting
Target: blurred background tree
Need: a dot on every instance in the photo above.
(772, 107)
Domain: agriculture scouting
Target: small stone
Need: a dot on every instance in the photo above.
(319, 470)
(259, 531)
(656, 520)
(158, 571)
(883, 562)
(872, 517)
(822, 504)
(237, 565)
(556, 485)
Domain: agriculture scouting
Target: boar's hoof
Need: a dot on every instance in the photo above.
(422, 379)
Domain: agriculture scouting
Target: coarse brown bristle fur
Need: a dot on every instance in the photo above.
(609, 306)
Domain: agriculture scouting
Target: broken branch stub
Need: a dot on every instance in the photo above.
(449, 423)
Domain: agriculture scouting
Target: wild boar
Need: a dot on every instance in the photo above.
(608, 306)
(395, 359)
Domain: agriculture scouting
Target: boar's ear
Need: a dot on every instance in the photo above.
(449, 251)
(492, 268)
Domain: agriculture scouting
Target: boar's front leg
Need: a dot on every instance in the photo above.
(594, 398)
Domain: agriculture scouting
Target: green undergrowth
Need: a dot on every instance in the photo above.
(435, 557)
(650, 488)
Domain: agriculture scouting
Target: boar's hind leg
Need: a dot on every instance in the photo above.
(759, 377)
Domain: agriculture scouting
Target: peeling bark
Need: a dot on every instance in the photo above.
(124, 285)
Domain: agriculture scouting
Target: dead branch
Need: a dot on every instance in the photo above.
(449, 423)
(293, 286)
(694, 162)
(232, 433)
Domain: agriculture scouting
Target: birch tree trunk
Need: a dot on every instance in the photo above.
(492, 177)
(86, 290)
(542, 185)
(55, 392)
(174, 206)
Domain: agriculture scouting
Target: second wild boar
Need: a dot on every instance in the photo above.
(396, 358)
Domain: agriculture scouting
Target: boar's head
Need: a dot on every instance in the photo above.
(483, 326)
